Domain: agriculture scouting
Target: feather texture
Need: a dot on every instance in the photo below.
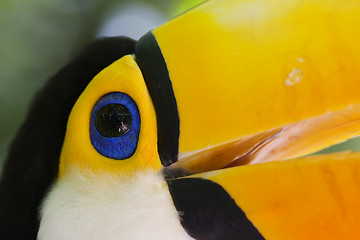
(83, 206)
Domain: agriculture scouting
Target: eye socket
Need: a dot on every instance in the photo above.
(115, 126)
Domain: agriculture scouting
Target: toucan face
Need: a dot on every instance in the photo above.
(112, 126)
(233, 95)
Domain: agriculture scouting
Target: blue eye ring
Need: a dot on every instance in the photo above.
(119, 147)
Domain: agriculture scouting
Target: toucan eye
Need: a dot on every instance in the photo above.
(113, 120)
(115, 126)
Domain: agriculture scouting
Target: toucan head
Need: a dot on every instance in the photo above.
(112, 126)
(236, 93)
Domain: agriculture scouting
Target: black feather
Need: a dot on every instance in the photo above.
(32, 162)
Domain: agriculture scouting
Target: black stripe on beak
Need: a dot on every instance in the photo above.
(153, 67)
(208, 212)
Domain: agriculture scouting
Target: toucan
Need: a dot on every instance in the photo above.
(201, 129)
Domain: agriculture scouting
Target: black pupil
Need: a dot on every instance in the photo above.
(113, 120)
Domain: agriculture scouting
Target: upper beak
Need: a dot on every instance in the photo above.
(259, 81)
(249, 74)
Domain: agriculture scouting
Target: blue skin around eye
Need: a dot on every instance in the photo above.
(122, 147)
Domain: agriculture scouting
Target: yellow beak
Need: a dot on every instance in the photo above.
(258, 81)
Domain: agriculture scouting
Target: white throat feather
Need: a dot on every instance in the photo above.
(91, 207)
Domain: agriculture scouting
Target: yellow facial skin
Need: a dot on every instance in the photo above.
(78, 152)
(240, 67)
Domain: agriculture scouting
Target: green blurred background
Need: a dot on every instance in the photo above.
(39, 36)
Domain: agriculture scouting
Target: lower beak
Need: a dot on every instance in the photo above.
(266, 82)
(315, 197)
(284, 195)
